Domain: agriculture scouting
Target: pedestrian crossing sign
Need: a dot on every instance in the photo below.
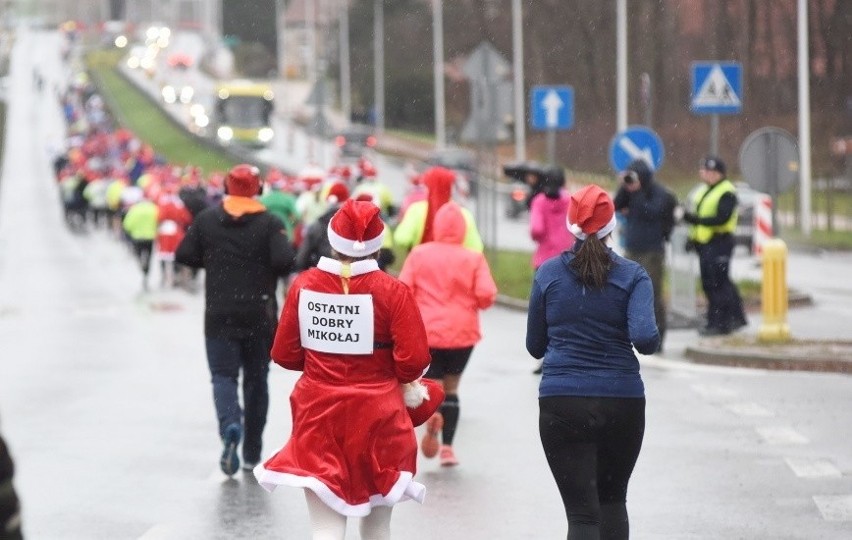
(716, 88)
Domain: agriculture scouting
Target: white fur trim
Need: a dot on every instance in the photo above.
(415, 394)
(608, 228)
(354, 248)
(575, 229)
(333, 266)
(404, 489)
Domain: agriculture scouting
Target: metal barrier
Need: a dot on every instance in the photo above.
(682, 282)
(774, 327)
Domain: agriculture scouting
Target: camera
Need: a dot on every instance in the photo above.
(629, 177)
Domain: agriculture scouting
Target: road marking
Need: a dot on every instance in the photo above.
(779, 435)
(750, 409)
(813, 468)
(158, 532)
(834, 507)
(709, 391)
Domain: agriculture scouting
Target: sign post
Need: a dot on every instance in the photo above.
(552, 109)
(716, 89)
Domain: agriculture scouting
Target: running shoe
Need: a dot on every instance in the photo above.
(429, 444)
(230, 461)
(249, 465)
(448, 457)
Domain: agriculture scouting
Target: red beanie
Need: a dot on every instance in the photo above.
(243, 181)
(356, 230)
(337, 193)
(591, 212)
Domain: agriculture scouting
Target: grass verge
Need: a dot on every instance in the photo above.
(135, 111)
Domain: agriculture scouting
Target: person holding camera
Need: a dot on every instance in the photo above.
(648, 209)
(713, 219)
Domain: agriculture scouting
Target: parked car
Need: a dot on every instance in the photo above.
(463, 162)
(354, 141)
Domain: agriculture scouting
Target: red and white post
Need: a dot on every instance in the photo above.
(762, 224)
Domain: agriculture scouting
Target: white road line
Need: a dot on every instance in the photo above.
(709, 391)
(749, 409)
(813, 468)
(834, 507)
(780, 435)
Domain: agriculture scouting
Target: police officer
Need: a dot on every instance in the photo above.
(712, 217)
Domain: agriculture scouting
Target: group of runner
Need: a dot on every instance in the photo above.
(109, 179)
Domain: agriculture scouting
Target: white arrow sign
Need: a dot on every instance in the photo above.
(635, 152)
(551, 104)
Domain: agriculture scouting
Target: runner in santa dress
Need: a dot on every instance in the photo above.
(356, 334)
(173, 218)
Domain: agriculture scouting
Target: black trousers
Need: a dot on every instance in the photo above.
(724, 304)
(591, 445)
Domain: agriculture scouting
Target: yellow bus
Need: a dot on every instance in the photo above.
(243, 112)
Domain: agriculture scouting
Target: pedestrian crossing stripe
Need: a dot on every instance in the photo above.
(716, 91)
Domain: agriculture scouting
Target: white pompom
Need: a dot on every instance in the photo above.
(575, 229)
(414, 394)
(359, 246)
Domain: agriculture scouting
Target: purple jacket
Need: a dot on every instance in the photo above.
(548, 227)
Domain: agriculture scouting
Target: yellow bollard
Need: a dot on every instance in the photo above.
(774, 326)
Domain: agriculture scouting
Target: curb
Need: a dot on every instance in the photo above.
(734, 358)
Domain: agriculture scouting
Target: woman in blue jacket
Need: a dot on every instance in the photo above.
(589, 308)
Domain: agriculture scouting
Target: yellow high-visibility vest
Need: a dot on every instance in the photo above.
(708, 207)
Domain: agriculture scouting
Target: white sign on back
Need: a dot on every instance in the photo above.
(336, 323)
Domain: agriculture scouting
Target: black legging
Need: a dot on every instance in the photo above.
(591, 445)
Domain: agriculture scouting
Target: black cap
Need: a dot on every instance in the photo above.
(713, 163)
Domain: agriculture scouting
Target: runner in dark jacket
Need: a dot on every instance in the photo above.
(244, 250)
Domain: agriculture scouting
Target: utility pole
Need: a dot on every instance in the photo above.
(621, 64)
(379, 67)
(345, 70)
(518, 81)
(438, 54)
(804, 118)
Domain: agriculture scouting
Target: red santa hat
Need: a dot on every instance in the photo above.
(591, 211)
(243, 181)
(337, 193)
(356, 230)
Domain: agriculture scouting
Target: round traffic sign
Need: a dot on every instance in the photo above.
(769, 160)
(636, 142)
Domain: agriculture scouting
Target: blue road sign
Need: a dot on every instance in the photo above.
(635, 142)
(717, 88)
(552, 107)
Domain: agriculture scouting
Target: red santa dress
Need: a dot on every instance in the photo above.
(173, 218)
(352, 442)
